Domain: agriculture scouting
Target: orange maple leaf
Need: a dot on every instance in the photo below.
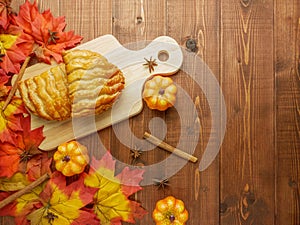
(5, 13)
(111, 203)
(46, 31)
(14, 156)
(3, 80)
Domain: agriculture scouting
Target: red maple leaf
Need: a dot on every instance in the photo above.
(5, 13)
(14, 156)
(15, 47)
(46, 31)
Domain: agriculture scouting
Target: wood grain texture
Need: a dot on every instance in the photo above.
(247, 177)
(253, 49)
(287, 65)
(135, 23)
(198, 21)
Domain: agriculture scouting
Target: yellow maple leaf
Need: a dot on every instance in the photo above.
(62, 205)
(9, 119)
(6, 42)
(111, 203)
(14, 183)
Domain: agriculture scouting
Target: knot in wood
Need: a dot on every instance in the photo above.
(191, 44)
(223, 208)
(139, 19)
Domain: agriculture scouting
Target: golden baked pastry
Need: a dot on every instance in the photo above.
(46, 95)
(94, 83)
(85, 84)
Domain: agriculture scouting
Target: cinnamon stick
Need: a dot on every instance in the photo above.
(23, 191)
(169, 148)
(15, 85)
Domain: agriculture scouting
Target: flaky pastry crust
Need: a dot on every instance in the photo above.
(85, 84)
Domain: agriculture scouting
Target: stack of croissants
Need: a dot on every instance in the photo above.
(84, 84)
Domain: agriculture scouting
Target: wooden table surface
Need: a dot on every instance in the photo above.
(253, 49)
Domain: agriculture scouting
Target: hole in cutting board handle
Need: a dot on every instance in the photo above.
(163, 55)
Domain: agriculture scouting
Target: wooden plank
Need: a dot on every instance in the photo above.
(248, 157)
(136, 22)
(188, 21)
(287, 61)
(90, 19)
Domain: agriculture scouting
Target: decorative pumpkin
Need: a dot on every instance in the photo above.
(160, 93)
(71, 158)
(170, 211)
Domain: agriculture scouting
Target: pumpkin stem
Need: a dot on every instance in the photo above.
(67, 158)
(161, 91)
(172, 218)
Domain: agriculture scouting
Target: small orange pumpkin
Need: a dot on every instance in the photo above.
(71, 158)
(170, 211)
(160, 93)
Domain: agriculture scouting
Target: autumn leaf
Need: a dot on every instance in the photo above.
(5, 13)
(111, 203)
(14, 183)
(23, 205)
(9, 58)
(15, 46)
(10, 120)
(14, 155)
(38, 165)
(28, 202)
(63, 204)
(8, 210)
(46, 31)
(31, 139)
(4, 89)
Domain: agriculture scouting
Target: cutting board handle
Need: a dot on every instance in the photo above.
(124, 57)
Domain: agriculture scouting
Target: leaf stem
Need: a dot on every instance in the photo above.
(15, 85)
(25, 190)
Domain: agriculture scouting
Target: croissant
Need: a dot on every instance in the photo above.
(85, 84)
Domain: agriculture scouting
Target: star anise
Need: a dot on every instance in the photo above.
(150, 64)
(52, 37)
(161, 183)
(25, 156)
(135, 154)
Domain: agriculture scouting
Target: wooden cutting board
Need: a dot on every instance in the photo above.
(130, 102)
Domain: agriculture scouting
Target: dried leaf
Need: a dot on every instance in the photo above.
(111, 203)
(46, 31)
